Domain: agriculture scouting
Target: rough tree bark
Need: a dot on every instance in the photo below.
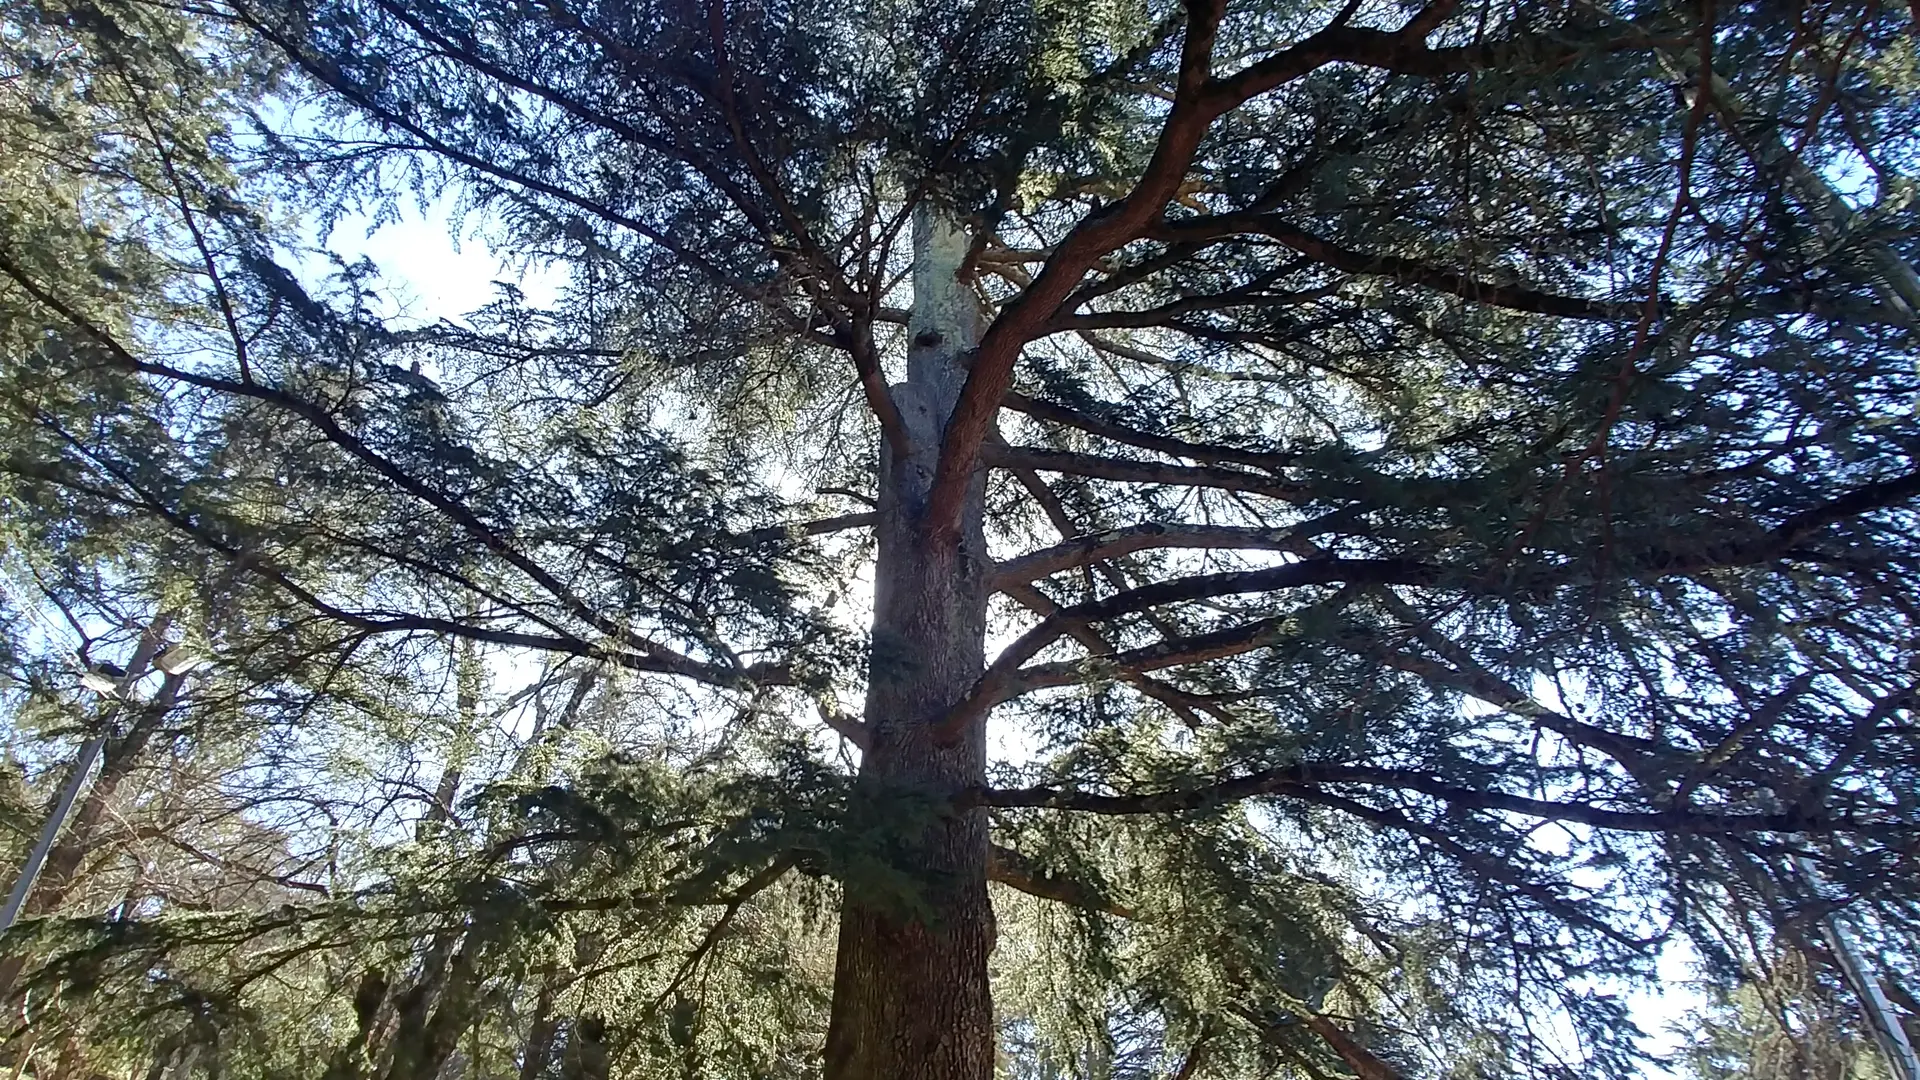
(911, 1000)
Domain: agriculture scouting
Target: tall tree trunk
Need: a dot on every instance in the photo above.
(911, 1000)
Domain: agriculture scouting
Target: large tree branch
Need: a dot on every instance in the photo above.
(1794, 531)
(1149, 536)
(1326, 571)
(1130, 471)
(1647, 761)
(1016, 871)
(850, 728)
(1758, 547)
(1168, 314)
(1199, 99)
(1491, 867)
(1182, 703)
(1633, 753)
(330, 428)
(1865, 499)
(383, 622)
(1404, 52)
(1212, 453)
(1023, 319)
(1004, 674)
(1409, 271)
(795, 530)
(1365, 1063)
(1307, 780)
(1172, 652)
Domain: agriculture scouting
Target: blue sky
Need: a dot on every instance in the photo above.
(429, 276)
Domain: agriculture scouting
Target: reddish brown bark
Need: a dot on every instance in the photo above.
(911, 999)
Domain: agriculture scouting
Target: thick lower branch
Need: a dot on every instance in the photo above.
(1408, 271)
(1106, 429)
(1148, 536)
(1016, 871)
(1305, 781)
(1143, 472)
(1174, 652)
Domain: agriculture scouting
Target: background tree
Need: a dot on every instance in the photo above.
(1778, 1024)
(1437, 482)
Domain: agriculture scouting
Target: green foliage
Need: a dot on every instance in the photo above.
(1778, 1022)
(1584, 421)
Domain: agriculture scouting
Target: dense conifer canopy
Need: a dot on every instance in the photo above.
(1443, 486)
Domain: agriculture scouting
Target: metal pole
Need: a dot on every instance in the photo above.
(57, 820)
(1882, 1021)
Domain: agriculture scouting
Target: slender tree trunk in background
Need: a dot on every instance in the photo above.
(435, 1011)
(62, 871)
(349, 1062)
(538, 1048)
(588, 1057)
(466, 681)
(911, 1000)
